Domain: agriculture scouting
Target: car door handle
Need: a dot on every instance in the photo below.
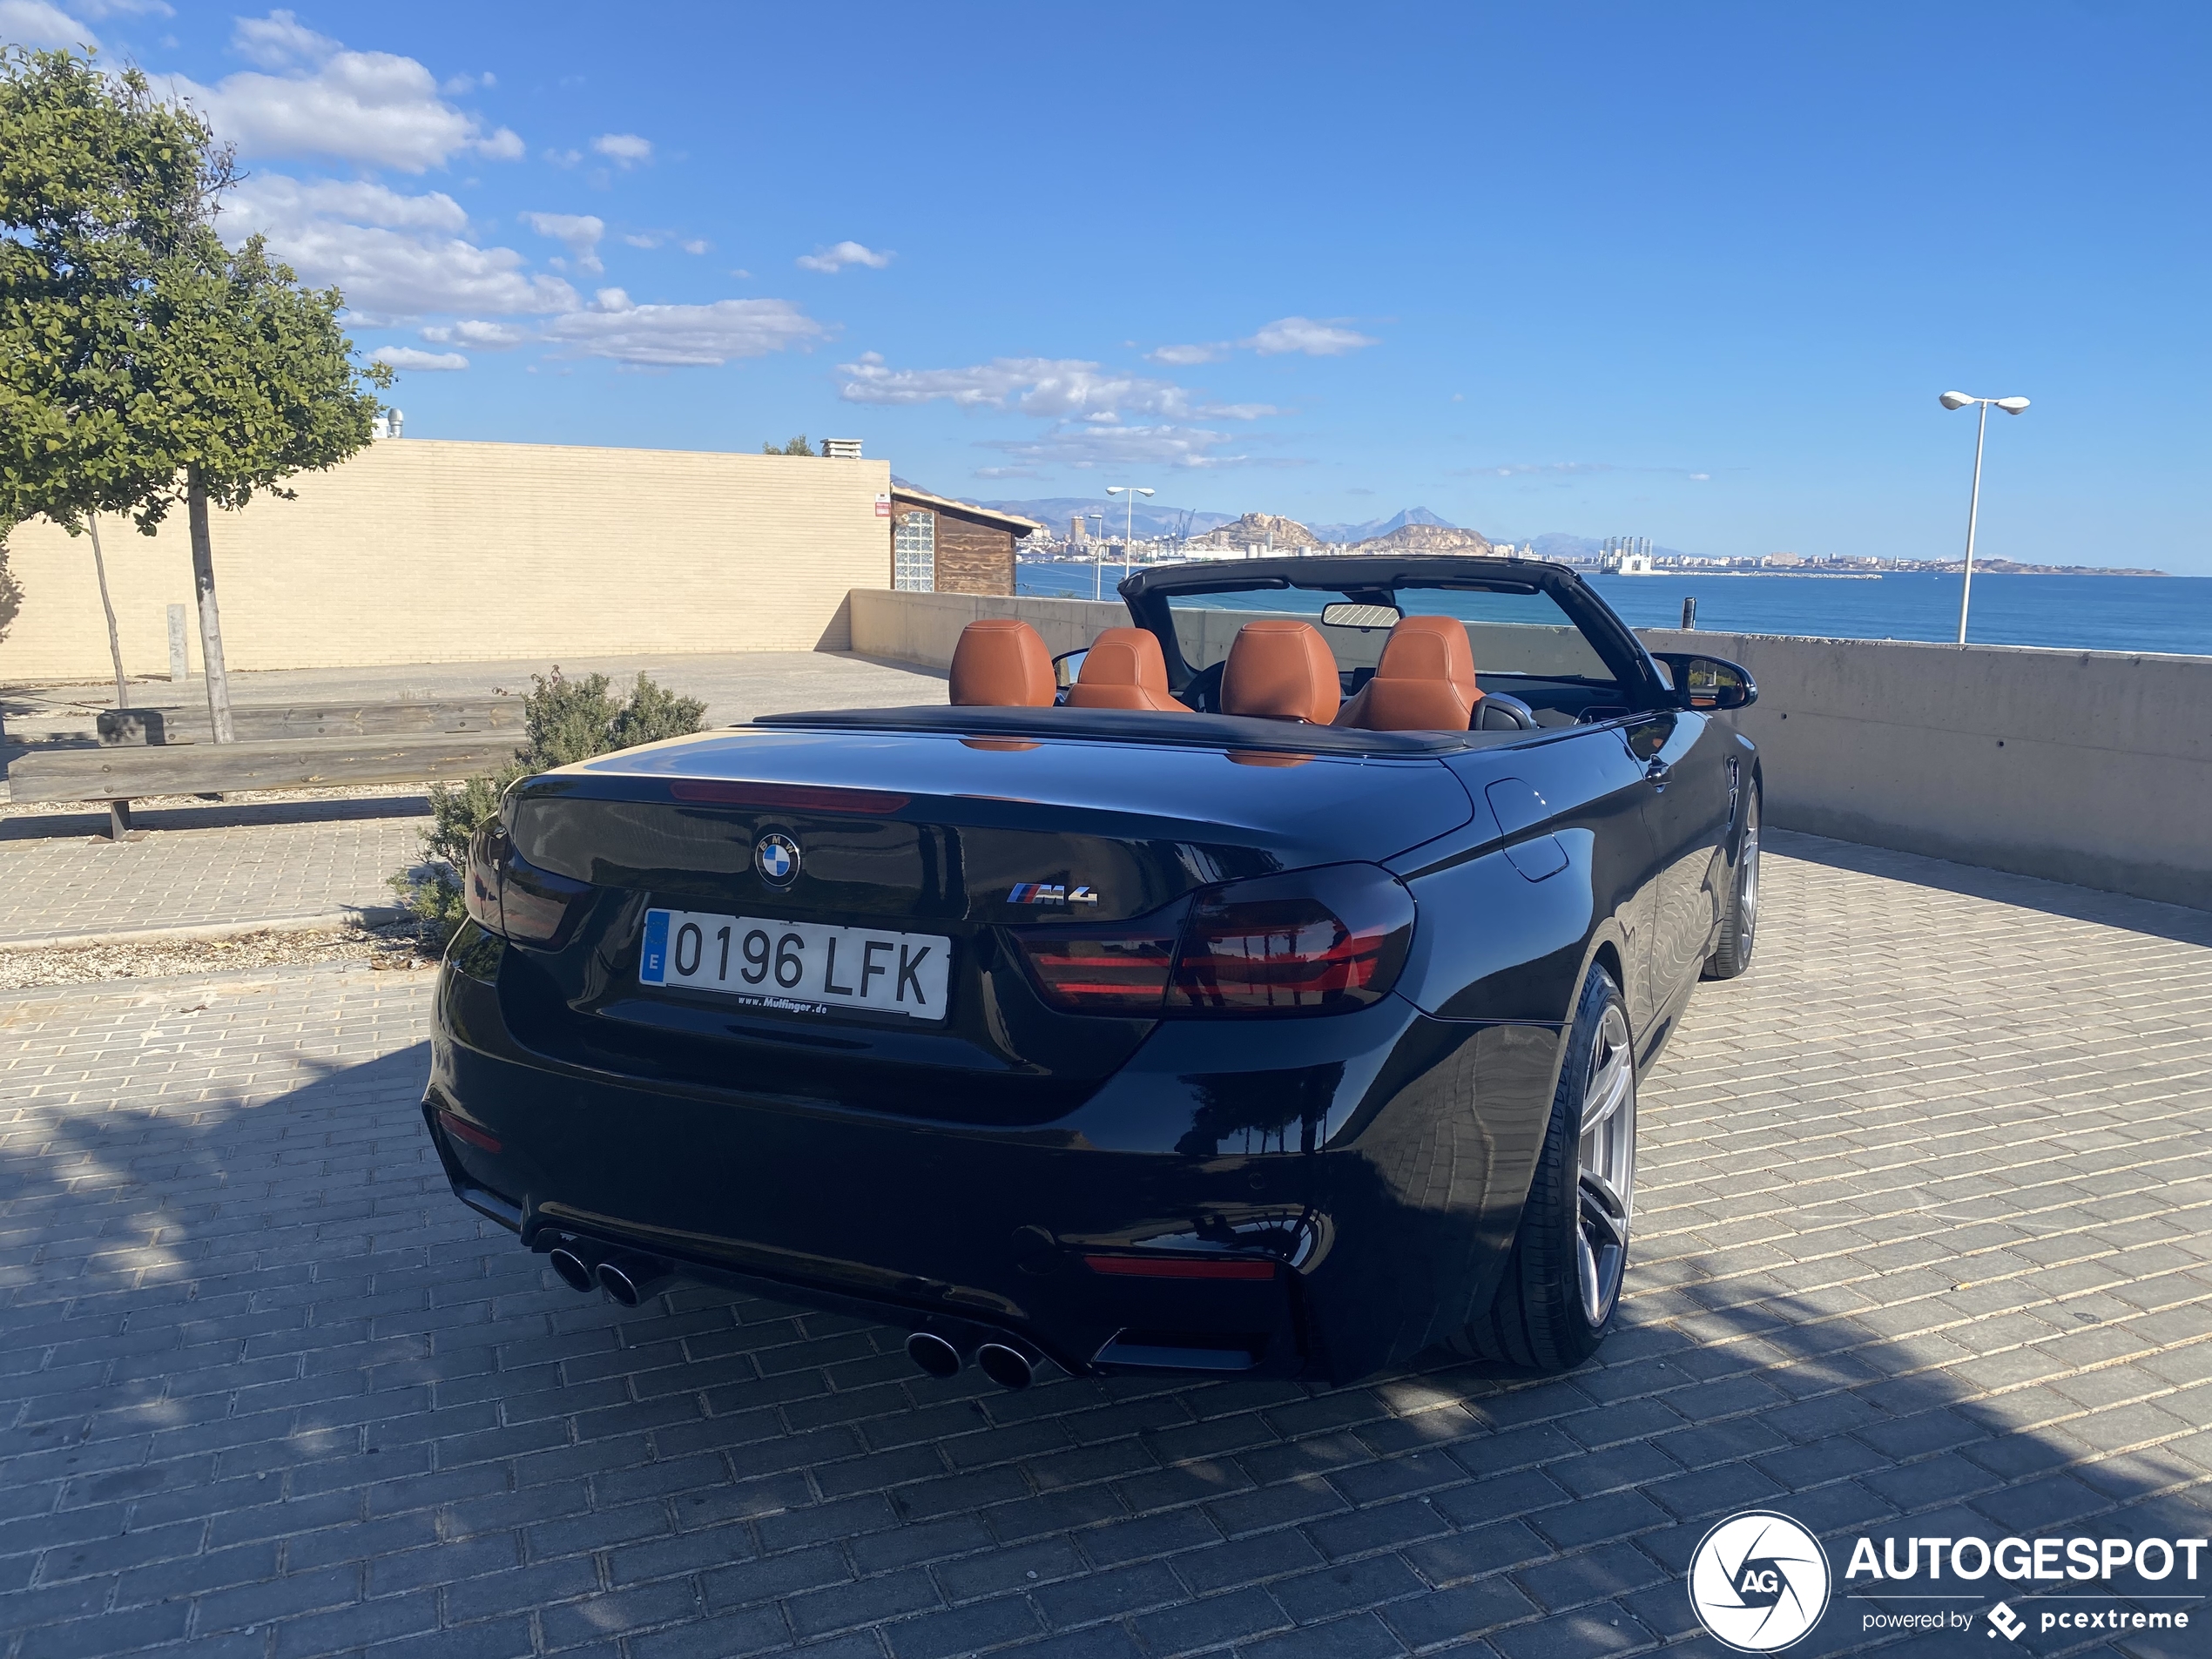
(1658, 771)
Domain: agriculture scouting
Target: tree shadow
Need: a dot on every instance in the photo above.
(263, 1305)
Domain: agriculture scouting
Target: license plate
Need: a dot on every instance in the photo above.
(799, 966)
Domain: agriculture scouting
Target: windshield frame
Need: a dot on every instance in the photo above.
(1365, 578)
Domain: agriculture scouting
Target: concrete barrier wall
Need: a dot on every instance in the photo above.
(424, 550)
(2092, 768)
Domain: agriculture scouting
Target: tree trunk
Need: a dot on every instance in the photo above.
(114, 642)
(210, 621)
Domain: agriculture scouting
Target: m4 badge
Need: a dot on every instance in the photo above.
(1050, 892)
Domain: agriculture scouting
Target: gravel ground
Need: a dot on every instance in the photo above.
(404, 945)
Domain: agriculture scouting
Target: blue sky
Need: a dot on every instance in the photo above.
(1696, 272)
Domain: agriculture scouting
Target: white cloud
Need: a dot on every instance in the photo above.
(830, 260)
(650, 239)
(127, 8)
(1182, 356)
(1085, 446)
(664, 336)
(34, 22)
(696, 245)
(623, 149)
(579, 232)
(1051, 388)
(393, 254)
(484, 336)
(1304, 334)
(1701, 477)
(374, 108)
(273, 199)
(407, 357)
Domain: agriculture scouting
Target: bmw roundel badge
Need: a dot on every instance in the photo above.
(776, 856)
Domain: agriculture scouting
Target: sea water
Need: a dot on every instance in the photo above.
(2123, 613)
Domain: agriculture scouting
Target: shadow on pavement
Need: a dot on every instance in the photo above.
(257, 1366)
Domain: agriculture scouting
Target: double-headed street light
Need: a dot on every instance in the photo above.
(1959, 400)
(1129, 532)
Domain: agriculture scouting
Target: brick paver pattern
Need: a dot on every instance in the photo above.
(1922, 1233)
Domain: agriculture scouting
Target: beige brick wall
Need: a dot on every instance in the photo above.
(426, 551)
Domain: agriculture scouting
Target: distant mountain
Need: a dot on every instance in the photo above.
(1053, 512)
(1375, 527)
(1425, 538)
(1260, 529)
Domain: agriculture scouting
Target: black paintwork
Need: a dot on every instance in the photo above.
(952, 1173)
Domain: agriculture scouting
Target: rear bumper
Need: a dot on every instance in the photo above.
(1376, 1161)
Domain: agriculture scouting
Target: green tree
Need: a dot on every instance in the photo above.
(564, 721)
(798, 446)
(143, 363)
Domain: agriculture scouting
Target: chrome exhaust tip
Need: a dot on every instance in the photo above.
(574, 1271)
(1006, 1365)
(631, 1279)
(934, 1355)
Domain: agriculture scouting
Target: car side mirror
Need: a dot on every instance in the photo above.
(1709, 683)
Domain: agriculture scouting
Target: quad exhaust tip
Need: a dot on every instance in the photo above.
(1006, 1365)
(934, 1355)
(574, 1271)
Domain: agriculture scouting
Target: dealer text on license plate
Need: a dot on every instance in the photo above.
(802, 965)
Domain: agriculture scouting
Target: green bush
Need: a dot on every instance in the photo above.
(564, 721)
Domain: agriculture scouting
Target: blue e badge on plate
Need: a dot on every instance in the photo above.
(652, 966)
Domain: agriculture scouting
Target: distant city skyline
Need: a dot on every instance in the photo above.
(1701, 272)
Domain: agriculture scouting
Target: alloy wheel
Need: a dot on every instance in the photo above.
(1606, 1167)
(1747, 878)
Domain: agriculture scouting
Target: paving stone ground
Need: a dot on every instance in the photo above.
(272, 859)
(1922, 1246)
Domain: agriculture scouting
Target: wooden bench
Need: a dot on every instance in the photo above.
(120, 774)
(253, 722)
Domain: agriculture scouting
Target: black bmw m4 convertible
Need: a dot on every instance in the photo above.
(1262, 989)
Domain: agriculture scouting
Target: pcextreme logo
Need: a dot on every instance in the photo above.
(1759, 1581)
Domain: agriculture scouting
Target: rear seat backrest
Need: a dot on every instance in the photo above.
(1124, 670)
(1281, 670)
(1425, 681)
(1002, 663)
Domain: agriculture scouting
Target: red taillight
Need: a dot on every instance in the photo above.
(1311, 942)
(1103, 970)
(509, 896)
(1179, 1267)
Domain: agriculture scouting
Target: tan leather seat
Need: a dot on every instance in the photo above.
(1124, 668)
(1002, 663)
(1281, 670)
(1425, 681)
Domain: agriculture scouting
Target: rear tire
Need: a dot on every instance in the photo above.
(1563, 1281)
(1740, 918)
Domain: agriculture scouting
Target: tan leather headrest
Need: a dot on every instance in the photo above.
(1124, 670)
(1281, 670)
(1001, 662)
(1424, 683)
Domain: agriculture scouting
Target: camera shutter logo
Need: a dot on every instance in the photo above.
(776, 856)
(1759, 1581)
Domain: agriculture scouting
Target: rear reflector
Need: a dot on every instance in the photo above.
(468, 1132)
(789, 798)
(1180, 1267)
(509, 896)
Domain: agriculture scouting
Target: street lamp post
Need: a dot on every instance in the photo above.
(1097, 559)
(1959, 400)
(1129, 531)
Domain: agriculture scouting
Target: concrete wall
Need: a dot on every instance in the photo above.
(425, 550)
(2092, 768)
